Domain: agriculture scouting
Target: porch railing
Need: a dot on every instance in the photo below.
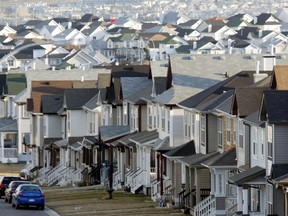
(10, 153)
(117, 179)
(205, 208)
(76, 176)
(231, 205)
(54, 175)
(139, 180)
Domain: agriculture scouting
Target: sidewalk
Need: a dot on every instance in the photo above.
(50, 212)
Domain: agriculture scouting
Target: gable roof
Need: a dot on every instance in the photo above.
(112, 133)
(205, 99)
(247, 175)
(182, 150)
(247, 100)
(76, 98)
(274, 106)
(8, 125)
(51, 104)
(225, 159)
(40, 88)
(280, 77)
(15, 83)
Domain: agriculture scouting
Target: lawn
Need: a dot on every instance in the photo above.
(93, 201)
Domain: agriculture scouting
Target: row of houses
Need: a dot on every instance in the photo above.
(91, 41)
(206, 135)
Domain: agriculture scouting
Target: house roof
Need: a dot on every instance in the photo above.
(130, 71)
(218, 93)
(195, 160)
(253, 118)
(130, 85)
(51, 104)
(40, 88)
(8, 125)
(182, 150)
(144, 137)
(280, 77)
(247, 100)
(109, 133)
(15, 83)
(76, 98)
(126, 139)
(275, 104)
(263, 17)
(278, 171)
(227, 158)
(247, 175)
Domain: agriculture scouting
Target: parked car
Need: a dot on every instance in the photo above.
(11, 189)
(5, 181)
(28, 195)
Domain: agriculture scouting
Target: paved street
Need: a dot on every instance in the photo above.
(7, 209)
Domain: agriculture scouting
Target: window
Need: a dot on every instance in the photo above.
(163, 118)
(25, 114)
(262, 142)
(254, 140)
(171, 46)
(241, 134)
(168, 120)
(68, 121)
(150, 115)
(254, 148)
(154, 115)
(220, 184)
(193, 125)
(187, 124)
(228, 130)
(45, 125)
(270, 198)
(119, 114)
(270, 144)
(125, 113)
(203, 130)
(219, 135)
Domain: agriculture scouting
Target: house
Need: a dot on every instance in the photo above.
(267, 22)
(8, 31)
(12, 150)
(70, 37)
(276, 163)
(239, 21)
(169, 45)
(174, 18)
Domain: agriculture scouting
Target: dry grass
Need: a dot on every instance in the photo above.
(91, 201)
(11, 169)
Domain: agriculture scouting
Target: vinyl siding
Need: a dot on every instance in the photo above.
(205, 178)
(280, 144)
(212, 133)
(279, 201)
(176, 127)
(220, 203)
(247, 139)
(143, 118)
(177, 178)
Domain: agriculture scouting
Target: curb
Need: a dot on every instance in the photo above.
(50, 212)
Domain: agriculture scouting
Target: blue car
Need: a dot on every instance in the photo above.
(28, 195)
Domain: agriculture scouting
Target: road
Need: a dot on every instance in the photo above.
(7, 209)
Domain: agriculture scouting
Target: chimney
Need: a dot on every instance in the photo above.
(209, 27)
(272, 49)
(268, 62)
(195, 45)
(260, 33)
(255, 20)
(257, 76)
